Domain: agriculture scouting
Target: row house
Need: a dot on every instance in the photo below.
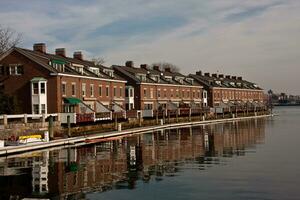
(229, 90)
(54, 83)
(153, 89)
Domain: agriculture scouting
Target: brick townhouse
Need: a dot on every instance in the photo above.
(155, 89)
(229, 89)
(52, 83)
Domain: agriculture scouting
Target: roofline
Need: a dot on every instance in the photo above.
(229, 88)
(87, 77)
(166, 84)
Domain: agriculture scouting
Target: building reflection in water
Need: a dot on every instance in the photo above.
(72, 172)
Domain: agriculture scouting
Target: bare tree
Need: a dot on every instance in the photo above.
(164, 65)
(8, 38)
(98, 60)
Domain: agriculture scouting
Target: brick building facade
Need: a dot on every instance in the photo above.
(52, 83)
(155, 89)
(228, 89)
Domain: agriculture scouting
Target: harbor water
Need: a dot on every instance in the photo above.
(250, 159)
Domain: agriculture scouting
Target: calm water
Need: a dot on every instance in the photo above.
(255, 159)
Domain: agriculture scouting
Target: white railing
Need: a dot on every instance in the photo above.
(33, 116)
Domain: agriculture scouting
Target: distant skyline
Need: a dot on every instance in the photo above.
(256, 39)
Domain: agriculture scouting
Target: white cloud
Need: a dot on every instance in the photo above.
(261, 43)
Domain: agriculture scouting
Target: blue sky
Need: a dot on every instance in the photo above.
(258, 39)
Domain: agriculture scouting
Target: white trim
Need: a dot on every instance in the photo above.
(170, 85)
(86, 77)
(220, 88)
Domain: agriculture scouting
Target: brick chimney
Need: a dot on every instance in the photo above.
(60, 52)
(144, 66)
(207, 74)
(221, 75)
(240, 78)
(228, 76)
(167, 69)
(129, 63)
(233, 77)
(156, 67)
(214, 75)
(78, 55)
(40, 47)
(199, 73)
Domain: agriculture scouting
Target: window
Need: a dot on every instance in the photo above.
(15, 69)
(43, 88)
(35, 88)
(35, 108)
(177, 93)
(73, 89)
(172, 93)
(148, 106)
(92, 90)
(115, 91)
(64, 89)
(182, 93)
(19, 70)
(158, 93)
(107, 91)
(131, 92)
(151, 93)
(2, 70)
(83, 89)
(121, 93)
(145, 92)
(194, 94)
(100, 90)
(43, 108)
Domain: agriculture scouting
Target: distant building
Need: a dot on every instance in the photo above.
(228, 89)
(155, 89)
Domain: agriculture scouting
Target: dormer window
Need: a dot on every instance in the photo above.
(59, 65)
(78, 68)
(190, 80)
(179, 79)
(109, 72)
(218, 82)
(95, 70)
(141, 77)
(154, 78)
(168, 78)
(232, 83)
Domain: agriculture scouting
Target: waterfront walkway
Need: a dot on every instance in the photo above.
(82, 139)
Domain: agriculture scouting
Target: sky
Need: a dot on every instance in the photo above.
(256, 39)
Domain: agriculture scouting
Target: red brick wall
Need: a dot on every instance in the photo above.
(168, 92)
(19, 85)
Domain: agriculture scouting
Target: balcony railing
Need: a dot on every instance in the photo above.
(103, 116)
(86, 117)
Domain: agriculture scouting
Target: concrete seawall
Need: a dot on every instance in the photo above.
(81, 139)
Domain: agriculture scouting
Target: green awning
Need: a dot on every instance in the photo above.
(58, 61)
(72, 100)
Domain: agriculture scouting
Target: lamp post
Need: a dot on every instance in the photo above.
(270, 92)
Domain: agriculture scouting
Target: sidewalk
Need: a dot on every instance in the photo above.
(71, 141)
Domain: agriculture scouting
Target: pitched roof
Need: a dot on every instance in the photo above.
(211, 81)
(45, 60)
(150, 74)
